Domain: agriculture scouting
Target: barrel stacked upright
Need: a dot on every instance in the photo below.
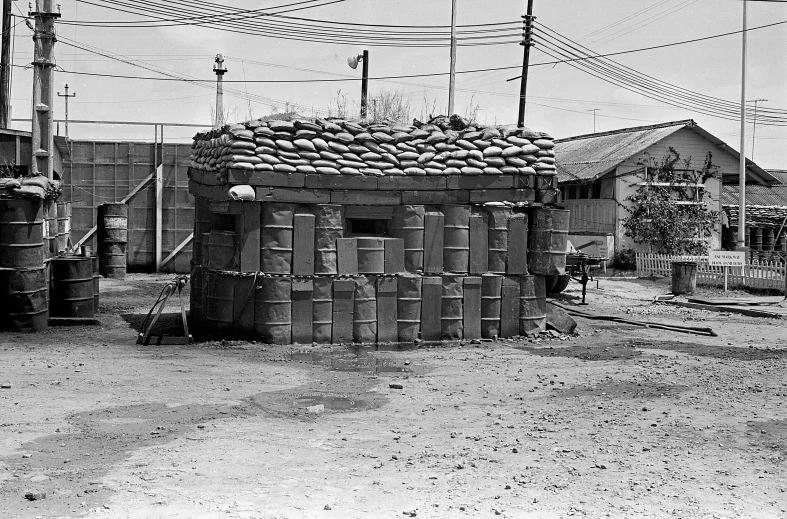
(333, 231)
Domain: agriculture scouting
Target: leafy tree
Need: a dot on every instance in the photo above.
(669, 212)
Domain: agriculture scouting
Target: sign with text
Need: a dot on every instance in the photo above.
(723, 258)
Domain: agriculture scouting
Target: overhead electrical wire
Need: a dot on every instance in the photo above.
(284, 28)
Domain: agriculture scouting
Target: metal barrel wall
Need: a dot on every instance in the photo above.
(548, 241)
(328, 227)
(22, 233)
(456, 241)
(63, 225)
(322, 310)
(532, 305)
(96, 283)
(219, 308)
(365, 310)
(196, 297)
(371, 255)
(73, 292)
(408, 303)
(25, 300)
(223, 251)
(276, 236)
(273, 310)
(491, 299)
(202, 226)
(498, 238)
(408, 224)
(112, 240)
(451, 317)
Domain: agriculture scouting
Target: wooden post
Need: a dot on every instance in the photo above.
(394, 255)
(471, 312)
(479, 244)
(509, 307)
(302, 310)
(343, 302)
(387, 329)
(726, 271)
(303, 245)
(347, 256)
(249, 235)
(431, 307)
(159, 199)
(434, 224)
(517, 244)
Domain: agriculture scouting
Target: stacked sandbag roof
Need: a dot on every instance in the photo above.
(443, 146)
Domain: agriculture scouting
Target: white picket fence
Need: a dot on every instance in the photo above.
(754, 275)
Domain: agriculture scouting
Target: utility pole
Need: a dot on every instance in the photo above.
(742, 172)
(66, 95)
(220, 70)
(527, 42)
(754, 130)
(594, 110)
(365, 83)
(43, 72)
(5, 66)
(452, 80)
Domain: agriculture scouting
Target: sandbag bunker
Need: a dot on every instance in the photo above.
(332, 231)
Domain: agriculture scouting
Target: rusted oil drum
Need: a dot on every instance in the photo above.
(451, 318)
(112, 240)
(456, 249)
(25, 300)
(408, 305)
(371, 255)
(63, 225)
(94, 261)
(491, 299)
(72, 281)
(365, 310)
(202, 226)
(548, 241)
(532, 305)
(322, 310)
(684, 277)
(276, 235)
(219, 307)
(273, 310)
(328, 227)
(498, 238)
(223, 252)
(22, 233)
(408, 224)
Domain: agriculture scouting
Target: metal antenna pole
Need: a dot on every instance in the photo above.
(527, 42)
(754, 130)
(43, 72)
(5, 67)
(594, 110)
(452, 80)
(66, 95)
(220, 70)
(742, 173)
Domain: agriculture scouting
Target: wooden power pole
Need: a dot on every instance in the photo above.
(527, 42)
(66, 96)
(5, 66)
(43, 74)
(452, 75)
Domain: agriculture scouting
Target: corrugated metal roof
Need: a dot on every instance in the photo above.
(758, 215)
(587, 157)
(760, 195)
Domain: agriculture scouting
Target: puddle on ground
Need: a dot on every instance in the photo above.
(719, 352)
(624, 389)
(601, 352)
(296, 403)
(357, 361)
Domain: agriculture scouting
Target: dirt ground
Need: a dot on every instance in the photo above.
(617, 421)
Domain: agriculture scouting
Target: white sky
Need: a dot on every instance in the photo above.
(560, 97)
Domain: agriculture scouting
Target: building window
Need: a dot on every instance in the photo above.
(367, 227)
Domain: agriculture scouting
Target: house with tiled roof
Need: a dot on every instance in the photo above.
(766, 216)
(598, 172)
